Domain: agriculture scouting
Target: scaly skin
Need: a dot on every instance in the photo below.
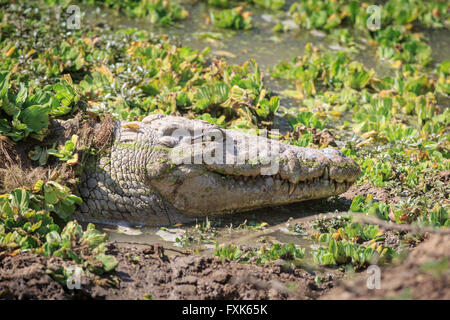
(148, 179)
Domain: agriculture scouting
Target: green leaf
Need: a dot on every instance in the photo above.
(4, 83)
(20, 199)
(10, 109)
(50, 194)
(35, 117)
(108, 261)
(21, 95)
(75, 199)
(53, 238)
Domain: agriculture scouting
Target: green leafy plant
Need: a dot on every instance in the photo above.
(308, 119)
(346, 252)
(443, 83)
(25, 113)
(231, 19)
(162, 12)
(209, 96)
(67, 153)
(270, 4)
(288, 252)
(26, 223)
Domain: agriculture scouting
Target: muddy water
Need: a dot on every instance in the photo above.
(240, 229)
(268, 49)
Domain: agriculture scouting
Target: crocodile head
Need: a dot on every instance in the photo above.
(198, 169)
(211, 170)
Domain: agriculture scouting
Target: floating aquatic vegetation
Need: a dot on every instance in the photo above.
(231, 19)
(346, 252)
(393, 34)
(27, 113)
(288, 252)
(268, 4)
(27, 223)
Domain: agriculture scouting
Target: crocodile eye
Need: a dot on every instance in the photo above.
(214, 135)
(208, 137)
(167, 141)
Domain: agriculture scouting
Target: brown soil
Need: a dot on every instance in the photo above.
(425, 274)
(379, 194)
(149, 272)
(24, 277)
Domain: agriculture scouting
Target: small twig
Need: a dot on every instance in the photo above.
(146, 245)
(358, 217)
(398, 227)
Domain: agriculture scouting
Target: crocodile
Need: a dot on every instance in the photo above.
(166, 170)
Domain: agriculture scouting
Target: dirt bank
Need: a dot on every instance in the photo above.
(149, 273)
(425, 274)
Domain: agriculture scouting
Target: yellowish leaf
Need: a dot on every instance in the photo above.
(369, 134)
(224, 53)
(364, 143)
(11, 51)
(29, 53)
(131, 126)
(104, 70)
(334, 113)
(73, 161)
(15, 252)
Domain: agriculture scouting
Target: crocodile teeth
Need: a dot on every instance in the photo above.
(291, 188)
(325, 173)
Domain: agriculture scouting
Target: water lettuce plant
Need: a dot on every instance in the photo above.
(400, 131)
(403, 212)
(343, 242)
(27, 113)
(231, 19)
(160, 12)
(393, 35)
(288, 252)
(268, 4)
(27, 223)
(346, 252)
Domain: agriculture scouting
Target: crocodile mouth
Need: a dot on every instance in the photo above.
(286, 184)
(197, 190)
